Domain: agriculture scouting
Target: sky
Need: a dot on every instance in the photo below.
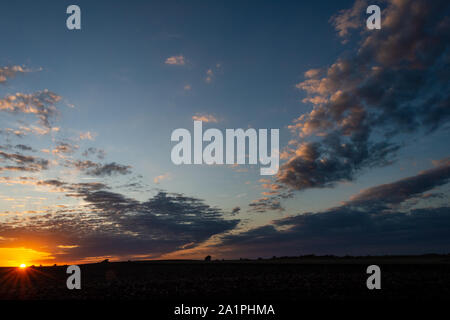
(86, 118)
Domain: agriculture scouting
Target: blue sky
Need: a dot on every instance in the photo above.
(241, 62)
(129, 87)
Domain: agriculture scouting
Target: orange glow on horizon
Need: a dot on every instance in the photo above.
(13, 257)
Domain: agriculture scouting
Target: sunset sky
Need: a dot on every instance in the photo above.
(86, 118)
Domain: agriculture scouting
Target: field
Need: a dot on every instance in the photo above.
(272, 280)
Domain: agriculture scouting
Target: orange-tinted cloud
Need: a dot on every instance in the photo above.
(205, 118)
(176, 60)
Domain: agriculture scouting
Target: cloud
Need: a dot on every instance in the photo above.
(9, 132)
(95, 221)
(10, 72)
(271, 199)
(175, 60)
(19, 162)
(86, 135)
(375, 221)
(41, 104)
(349, 18)
(266, 204)
(65, 147)
(313, 73)
(320, 165)
(92, 151)
(212, 72)
(76, 190)
(23, 147)
(25, 130)
(392, 85)
(20, 147)
(101, 170)
(209, 76)
(392, 194)
(68, 246)
(162, 177)
(235, 210)
(121, 227)
(345, 231)
(205, 118)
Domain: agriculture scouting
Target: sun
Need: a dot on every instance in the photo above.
(23, 266)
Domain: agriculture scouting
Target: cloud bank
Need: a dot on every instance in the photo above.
(395, 83)
(392, 218)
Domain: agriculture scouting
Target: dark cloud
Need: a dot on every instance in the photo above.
(266, 204)
(371, 222)
(395, 82)
(101, 170)
(52, 183)
(19, 158)
(84, 187)
(235, 210)
(77, 190)
(91, 151)
(109, 169)
(346, 231)
(31, 168)
(23, 163)
(113, 224)
(322, 164)
(23, 147)
(392, 194)
(271, 200)
(20, 147)
(80, 189)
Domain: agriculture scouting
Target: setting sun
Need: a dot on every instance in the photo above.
(23, 266)
(14, 257)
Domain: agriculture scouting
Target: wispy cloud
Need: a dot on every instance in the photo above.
(349, 19)
(205, 118)
(211, 73)
(19, 162)
(65, 147)
(162, 177)
(87, 136)
(209, 76)
(176, 60)
(92, 151)
(9, 72)
(97, 169)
